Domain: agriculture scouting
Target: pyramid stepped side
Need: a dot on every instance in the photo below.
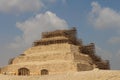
(56, 52)
(58, 58)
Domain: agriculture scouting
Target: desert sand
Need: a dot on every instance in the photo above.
(95, 74)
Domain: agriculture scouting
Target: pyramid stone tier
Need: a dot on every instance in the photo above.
(57, 52)
(58, 36)
(54, 40)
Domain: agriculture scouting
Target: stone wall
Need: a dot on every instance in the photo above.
(44, 57)
(64, 47)
(56, 58)
(45, 53)
(56, 67)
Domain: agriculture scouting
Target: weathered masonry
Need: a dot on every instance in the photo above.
(56, 52)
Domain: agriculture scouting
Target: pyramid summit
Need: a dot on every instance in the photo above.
(56, 52)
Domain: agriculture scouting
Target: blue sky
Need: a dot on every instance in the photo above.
(22, 21)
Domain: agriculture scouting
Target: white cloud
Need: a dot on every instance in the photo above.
(54, 1)
(20, 6)
(114, 40)
(33, 27)
(104, 17)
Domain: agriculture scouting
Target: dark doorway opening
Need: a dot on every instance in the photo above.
(23, 72)
(44, 72)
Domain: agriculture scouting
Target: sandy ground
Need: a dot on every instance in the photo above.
(84, 75)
